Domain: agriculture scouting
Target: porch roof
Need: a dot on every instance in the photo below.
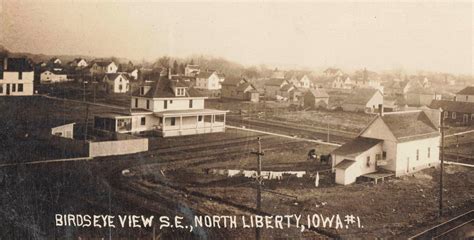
(190, 112)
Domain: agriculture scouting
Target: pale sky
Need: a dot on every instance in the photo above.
(382, 35)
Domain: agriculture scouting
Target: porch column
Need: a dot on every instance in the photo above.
(212, 121)
(224, 120)
(197, 121)
(180, 122)
(163, 124)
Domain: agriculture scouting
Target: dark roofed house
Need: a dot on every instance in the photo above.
(273, 87)
(167, 107)
(316, 98)
(465, 95)
(366, 100)
(16, 77)
(399, 143)
(455, 112)
(240, 89)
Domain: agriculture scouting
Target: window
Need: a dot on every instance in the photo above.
(171, 101)
(120, 87)
(173, 121)
(429, 152)
(142, 91)
(472, 116)
(147, 104)
(446, 114)
(165, 106)
(20, 75)
(378, 156)
(384, 155)
(20, 87)
(136, 102)
(200, 118)
(1, 74)
(143, 121)
(453, 115)
(180, 92)
(1, 88)
(13, 87)
(417, 154)
(368, 161)
(190, 103)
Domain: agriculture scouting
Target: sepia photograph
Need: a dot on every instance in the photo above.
(217, 119)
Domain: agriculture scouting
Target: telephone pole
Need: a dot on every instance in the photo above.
(259, 180)
(442, 166)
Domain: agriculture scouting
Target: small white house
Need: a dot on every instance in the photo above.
(366, 100)
(65, 131)
(102, 67)
(53, 76)
(398, 142)
(116, 83)
(208, 81)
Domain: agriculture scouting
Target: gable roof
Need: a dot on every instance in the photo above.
(453, 106)
(275, 82)
(467, 91)
(356, 146)
(16, 65)
(344, 164)
(318, 93)
(233, 81)
(163, 88)
(244, 86)
(113, 76)
(103, 63)
(412, 125)
(204, 74)
(361, 95)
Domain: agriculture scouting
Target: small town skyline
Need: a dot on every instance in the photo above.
(410, 36)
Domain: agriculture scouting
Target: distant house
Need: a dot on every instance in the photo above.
(166, 107)
(366, 100)
(16, 77)
(287, 92)
(55, 60)
(53, 76)
(342, 82)
(420, 96)
(191, 70)
(208, 81)
(133, 74)
(78, 63)
(465, 95)
(103, 67)
(277, 74)
(332, 72)
(116, 83)
(273, 87)
(455, 112)
(240, 89)
(301, 81)
(399, 142)
(316, 98)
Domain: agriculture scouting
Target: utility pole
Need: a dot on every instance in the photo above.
(441, 167)
(259, 179)
(87, 122)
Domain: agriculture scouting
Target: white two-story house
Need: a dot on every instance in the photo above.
(398, 142)
(16, 77)
(168, 107)
(116, 83)
(208, 81)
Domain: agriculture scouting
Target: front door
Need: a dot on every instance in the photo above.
(465, 119)
(8, 89)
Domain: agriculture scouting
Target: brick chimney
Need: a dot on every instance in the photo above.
(5, 63)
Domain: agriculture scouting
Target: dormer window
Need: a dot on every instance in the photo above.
(180, 92)
(142, 91)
